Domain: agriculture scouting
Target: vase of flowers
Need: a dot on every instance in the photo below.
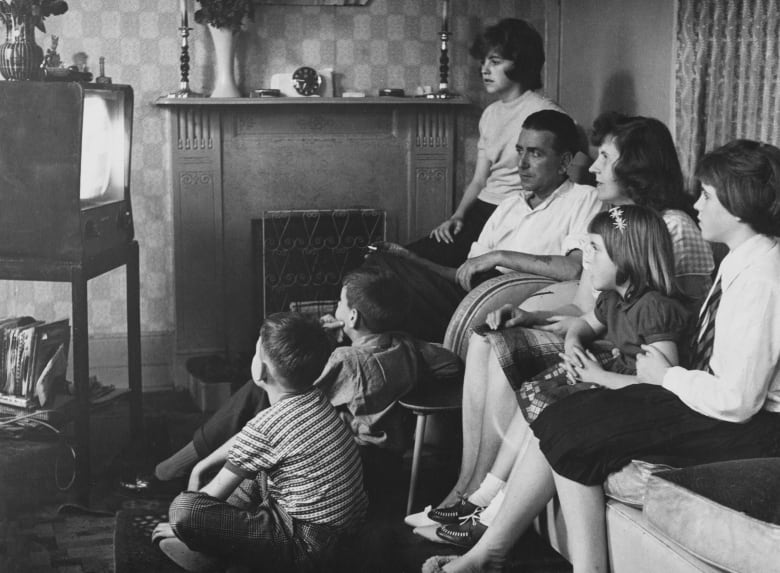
(224, 19)
(20, 56)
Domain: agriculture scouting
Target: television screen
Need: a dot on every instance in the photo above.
(104, 147)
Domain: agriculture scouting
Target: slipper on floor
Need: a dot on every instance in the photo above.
(420, 519)
(186, 558)
(434, 564)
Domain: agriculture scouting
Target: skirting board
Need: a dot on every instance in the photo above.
(108, 360)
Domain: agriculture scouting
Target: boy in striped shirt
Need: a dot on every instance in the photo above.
(291, 481)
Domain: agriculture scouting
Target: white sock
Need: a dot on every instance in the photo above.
(487, 490)
(489, 513)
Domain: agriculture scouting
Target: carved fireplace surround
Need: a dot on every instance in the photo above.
(234, 159)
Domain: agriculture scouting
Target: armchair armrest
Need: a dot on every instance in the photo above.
(511, 288)
(532, 292)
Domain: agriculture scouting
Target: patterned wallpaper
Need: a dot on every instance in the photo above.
(388, 43)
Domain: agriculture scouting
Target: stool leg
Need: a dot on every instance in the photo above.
(419, 437)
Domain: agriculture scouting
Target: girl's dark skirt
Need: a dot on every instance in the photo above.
(589, 435)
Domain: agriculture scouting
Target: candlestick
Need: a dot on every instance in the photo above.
(184, 59)
(444, 91)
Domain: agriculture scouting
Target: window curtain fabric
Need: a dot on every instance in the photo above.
(728, 65)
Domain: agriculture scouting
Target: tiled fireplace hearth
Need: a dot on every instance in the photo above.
(234, 160)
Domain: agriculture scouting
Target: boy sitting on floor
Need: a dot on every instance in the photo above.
(364, 380)
(298, 468)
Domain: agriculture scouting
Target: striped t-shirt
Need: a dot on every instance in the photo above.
(310, 457)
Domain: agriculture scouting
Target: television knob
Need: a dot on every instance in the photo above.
(124, 220)
(90, 230)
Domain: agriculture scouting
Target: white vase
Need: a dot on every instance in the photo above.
(224, 55)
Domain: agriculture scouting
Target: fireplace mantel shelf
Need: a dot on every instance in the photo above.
(244, 101)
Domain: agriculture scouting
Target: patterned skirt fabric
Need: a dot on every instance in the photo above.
(530, 361)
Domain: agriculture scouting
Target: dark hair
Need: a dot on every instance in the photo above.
(378, 296)
(560, 125)
(603, 126)
(746, 178)
(648, 168)
(297, 346)
(518, 41)
(641, 250)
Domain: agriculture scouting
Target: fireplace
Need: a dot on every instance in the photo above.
(235, 161)
(300, 257)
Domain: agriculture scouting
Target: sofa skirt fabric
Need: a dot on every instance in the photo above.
(726, 513)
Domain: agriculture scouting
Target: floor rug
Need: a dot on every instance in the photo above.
(50, 540)
(133, 549)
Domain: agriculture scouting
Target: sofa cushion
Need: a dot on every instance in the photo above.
(629, 484)
(726, 513)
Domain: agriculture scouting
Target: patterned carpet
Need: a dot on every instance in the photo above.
(133, 550)
(52, 540)
(39, 538)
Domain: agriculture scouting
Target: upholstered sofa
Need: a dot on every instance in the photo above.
(720, 517)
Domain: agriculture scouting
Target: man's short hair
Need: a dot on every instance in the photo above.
(518, 41)
(297, 347)
(379, 297)
(560, 125)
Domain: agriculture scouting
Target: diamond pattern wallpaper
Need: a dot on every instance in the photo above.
(386, 43)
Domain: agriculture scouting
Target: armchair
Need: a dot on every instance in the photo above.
(533, 291)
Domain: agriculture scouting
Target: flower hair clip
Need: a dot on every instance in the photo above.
(617, 218)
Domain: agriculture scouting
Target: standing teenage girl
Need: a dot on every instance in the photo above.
(512, 56)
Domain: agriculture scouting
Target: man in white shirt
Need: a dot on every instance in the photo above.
(538, 230)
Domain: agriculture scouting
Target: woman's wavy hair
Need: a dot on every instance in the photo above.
(638, 242)
(746, 177)
(518, 41)
(648, 168)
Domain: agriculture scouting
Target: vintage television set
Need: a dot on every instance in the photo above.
(64, 169)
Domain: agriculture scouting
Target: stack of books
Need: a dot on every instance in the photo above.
(33, 360)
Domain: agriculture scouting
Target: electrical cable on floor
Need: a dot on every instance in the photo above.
(14, 424)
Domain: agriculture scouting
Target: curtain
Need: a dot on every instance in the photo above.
(728, 63)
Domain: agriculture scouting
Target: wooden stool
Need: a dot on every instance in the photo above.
(428, 398)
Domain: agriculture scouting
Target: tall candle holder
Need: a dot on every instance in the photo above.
(184, 90)
(444, 91)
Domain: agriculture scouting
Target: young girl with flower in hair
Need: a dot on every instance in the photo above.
(629, 257)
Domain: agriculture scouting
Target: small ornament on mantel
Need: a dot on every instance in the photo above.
(52, 58)
(102, 78)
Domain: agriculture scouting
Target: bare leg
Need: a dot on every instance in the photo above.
(583, 511)
(528, 490)
(517, 439)
(488, 407)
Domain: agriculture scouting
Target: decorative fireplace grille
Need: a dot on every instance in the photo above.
(302, 256)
